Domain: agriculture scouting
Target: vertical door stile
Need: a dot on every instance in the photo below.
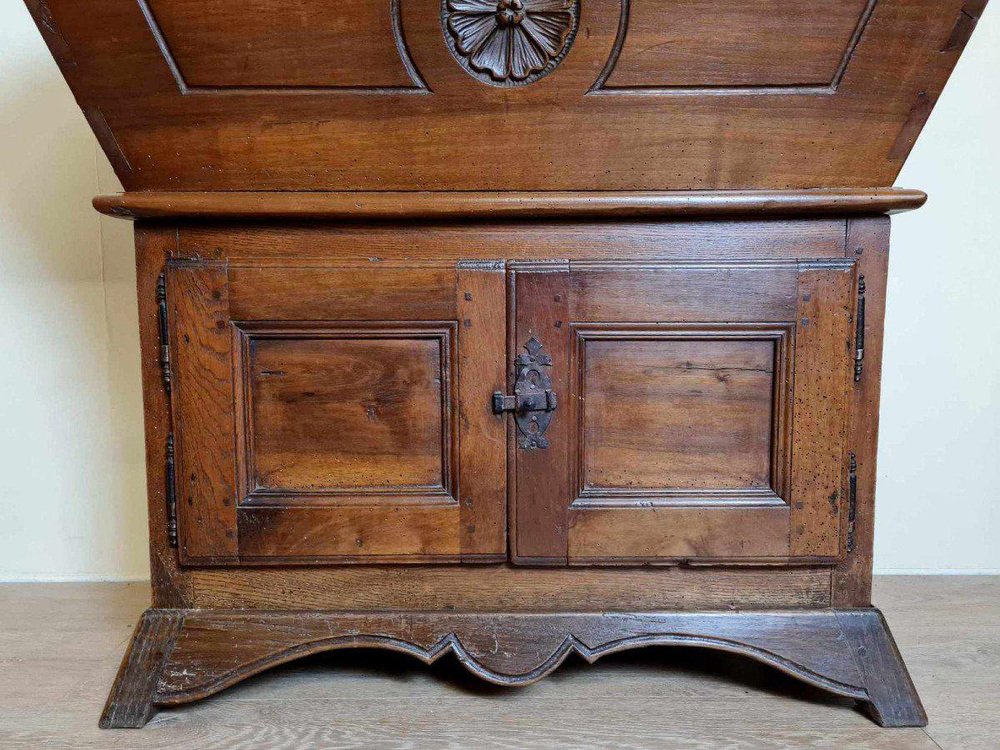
(542, 491)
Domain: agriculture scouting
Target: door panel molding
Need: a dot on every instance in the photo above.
(776, 491)
(442, 334)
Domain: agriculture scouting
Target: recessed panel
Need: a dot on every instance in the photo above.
(678, 414)
(271, 95)
(268, 44)
(347, 414)
(735, 43)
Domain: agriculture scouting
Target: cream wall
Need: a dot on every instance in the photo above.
(72, 491)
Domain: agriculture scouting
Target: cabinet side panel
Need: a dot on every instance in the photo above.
(868, 242)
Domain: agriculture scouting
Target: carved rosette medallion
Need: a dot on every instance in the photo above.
(509, 42)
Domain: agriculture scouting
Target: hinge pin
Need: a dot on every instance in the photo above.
(161, 304)
(171, 493)
(852, 503)
(859, 333)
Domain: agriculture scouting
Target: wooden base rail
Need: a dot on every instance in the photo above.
(179, 656)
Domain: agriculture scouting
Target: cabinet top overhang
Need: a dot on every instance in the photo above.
(522, 95)
(508, 206)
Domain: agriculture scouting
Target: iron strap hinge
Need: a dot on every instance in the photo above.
(171, 491)
(170, 480)
(859, 332)
(852, 501)
(534, 401)
(161, 305)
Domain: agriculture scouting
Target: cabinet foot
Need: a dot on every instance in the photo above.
(131, 701)
(180, 656)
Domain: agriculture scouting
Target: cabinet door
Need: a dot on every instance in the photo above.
(338, 413)
(700, 411)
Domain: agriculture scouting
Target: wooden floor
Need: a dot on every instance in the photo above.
(61, 644)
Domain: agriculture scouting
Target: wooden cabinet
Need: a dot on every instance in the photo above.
(509, 329)
(423, 437)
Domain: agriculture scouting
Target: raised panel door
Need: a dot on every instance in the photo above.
(701, 412)
(337, 413)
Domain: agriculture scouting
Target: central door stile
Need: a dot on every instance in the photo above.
(541, 476)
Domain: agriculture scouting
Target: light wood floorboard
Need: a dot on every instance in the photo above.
(60, 645)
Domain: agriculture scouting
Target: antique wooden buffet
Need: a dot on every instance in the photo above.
(509, 328)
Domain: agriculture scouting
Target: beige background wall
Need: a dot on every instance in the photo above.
(72, 491)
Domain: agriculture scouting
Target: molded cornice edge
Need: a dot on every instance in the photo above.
(494, 206)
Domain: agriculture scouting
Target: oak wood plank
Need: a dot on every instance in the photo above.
(676, 413)
(350, 410)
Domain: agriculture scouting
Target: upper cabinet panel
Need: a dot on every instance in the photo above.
(220, 44)
(736, 43)
(275, 95)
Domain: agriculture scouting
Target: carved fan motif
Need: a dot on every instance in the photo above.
(510, 42)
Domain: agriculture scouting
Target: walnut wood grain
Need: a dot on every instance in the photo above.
(362, 206)
(846, 652)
